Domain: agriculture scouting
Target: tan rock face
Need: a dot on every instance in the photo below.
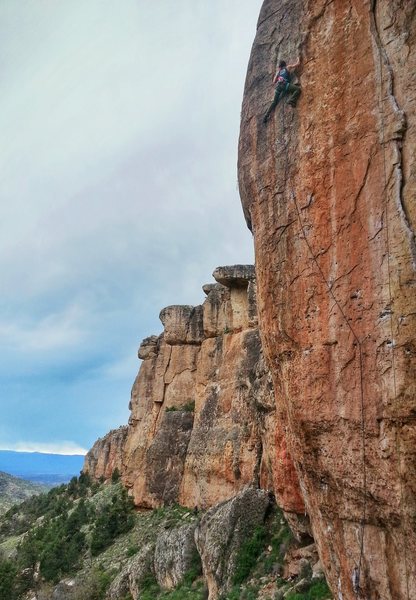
(202, 408)
(195, 433)
(328, 190)
(106, 454)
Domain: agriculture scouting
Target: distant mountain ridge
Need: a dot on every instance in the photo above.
(14, 490)
(50, 469)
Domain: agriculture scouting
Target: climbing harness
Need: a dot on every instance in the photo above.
(358, 344)
(283, 79)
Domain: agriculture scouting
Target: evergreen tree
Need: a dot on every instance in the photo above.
(8, 573)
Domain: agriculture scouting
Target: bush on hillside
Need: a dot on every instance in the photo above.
(8, 574)
(113, 520)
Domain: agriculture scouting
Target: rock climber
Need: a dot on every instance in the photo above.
(284, 87)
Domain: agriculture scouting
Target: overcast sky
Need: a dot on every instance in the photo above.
(119, 127)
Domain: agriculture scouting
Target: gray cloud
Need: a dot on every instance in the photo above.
(119, 124)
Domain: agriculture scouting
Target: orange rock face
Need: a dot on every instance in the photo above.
(328, 190)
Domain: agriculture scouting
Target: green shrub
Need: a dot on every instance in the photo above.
(237, 593)
(113, 520)
(57, 544)
(58, 501)
(8, 573)
(280, 540)
(248, 554)
(191, 588)
(132, 550)
(95, 586)
(195, 570)
(183, 592)
(56, 526)
(187, 407)
(115, 475)
(318, 590)
(149, 588)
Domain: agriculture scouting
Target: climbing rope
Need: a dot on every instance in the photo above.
(358, 343)
(393, 361)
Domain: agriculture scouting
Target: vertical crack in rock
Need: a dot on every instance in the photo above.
(164, 374)
(398, 139)
(399, 134)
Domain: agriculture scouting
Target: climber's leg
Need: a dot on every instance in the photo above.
(277, 95)
(292, 92)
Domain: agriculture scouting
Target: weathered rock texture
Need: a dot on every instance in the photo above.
(129, 580)
(328, 190)
(202, 407)
(107, 454)
(221, 534)
(175, 554)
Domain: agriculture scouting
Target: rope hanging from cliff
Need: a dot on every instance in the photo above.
(393, 361)
(358, 344)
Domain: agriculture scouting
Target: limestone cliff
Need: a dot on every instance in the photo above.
(328, 191)
(202, 408)
(106, 455)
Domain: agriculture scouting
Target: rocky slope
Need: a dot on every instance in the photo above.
(202, 409)
(14, 490)
(84, 541)
(328, 191)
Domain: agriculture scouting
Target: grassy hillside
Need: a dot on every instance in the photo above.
(91, 533)
(14, 490)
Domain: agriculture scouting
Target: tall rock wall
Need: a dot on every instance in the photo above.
(202, 406)
(328, 190)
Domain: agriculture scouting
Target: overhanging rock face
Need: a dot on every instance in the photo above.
(328, 190)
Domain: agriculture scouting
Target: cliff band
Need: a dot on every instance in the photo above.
(202, 406)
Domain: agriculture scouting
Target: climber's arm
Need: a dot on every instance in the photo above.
(293, 66)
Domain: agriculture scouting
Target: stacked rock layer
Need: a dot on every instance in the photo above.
(202, 406)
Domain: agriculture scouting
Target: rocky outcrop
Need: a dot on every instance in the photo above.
(130, 579)
(328, 191)
(221, 534)
(106, 455)
(167, 560)
(175, 555)
(202, 409)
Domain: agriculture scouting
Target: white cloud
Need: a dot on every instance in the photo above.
(58, 331)
(67, 448)
(121, 369)
(119, 146)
